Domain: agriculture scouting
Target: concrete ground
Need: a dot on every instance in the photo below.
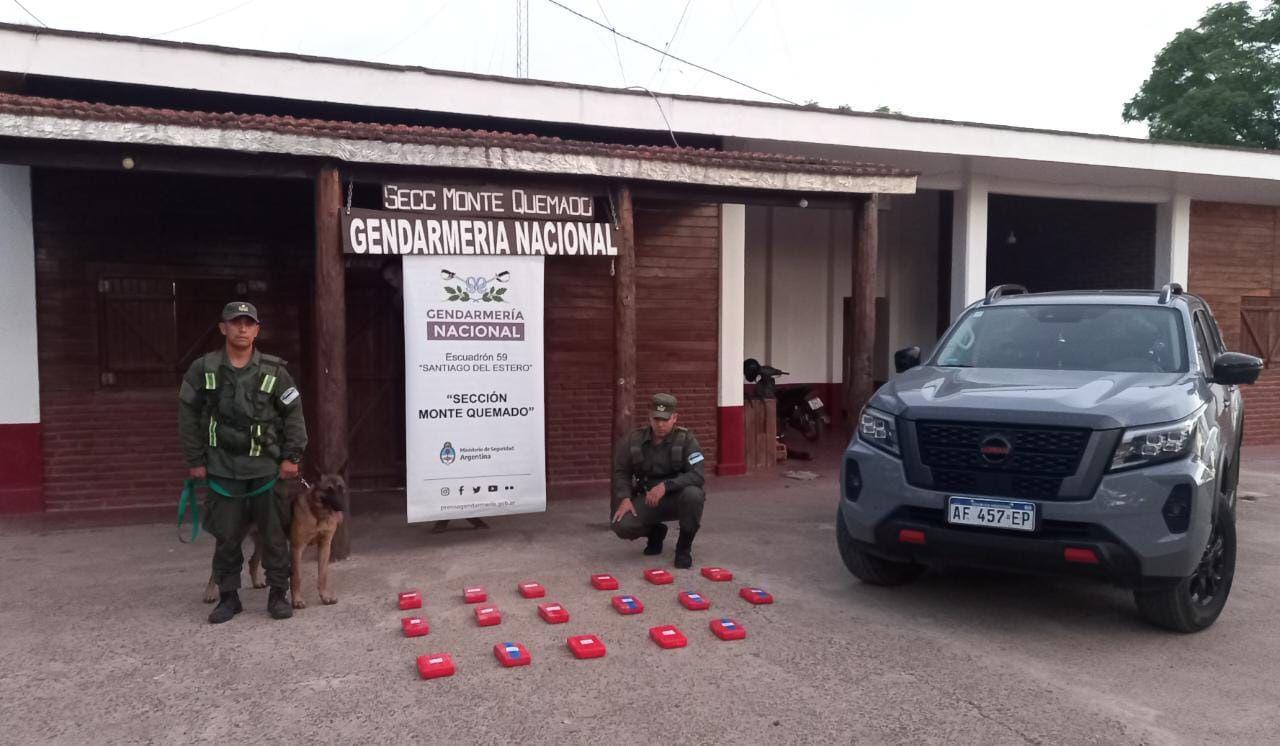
(105, 641)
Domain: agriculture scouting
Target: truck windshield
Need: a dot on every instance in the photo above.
(1119, 339)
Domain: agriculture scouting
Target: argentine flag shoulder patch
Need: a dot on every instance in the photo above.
(695, 458)
(289, 396)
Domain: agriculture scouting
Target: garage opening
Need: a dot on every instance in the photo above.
(1058, 244)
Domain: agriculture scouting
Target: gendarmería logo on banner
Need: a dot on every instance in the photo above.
(447, 454)
(470, 319)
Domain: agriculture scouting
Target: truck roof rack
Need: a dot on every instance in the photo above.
(1000, 291)
(1168, 291)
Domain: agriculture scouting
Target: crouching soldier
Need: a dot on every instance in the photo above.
(657, 477)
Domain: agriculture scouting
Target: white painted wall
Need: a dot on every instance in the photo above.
(909, 232)
(1173, 240)
(733, 227)
(969, 245)
(800, 294)
(19, 365)
(756, 286)
(801, 260)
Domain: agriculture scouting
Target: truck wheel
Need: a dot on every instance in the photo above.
(1194, 603)
(869, 568)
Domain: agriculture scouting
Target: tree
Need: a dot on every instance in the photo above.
(1217, 83)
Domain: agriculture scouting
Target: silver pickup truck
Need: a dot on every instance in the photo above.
(1082, 432)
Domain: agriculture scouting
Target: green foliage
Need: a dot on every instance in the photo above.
(1217, 83)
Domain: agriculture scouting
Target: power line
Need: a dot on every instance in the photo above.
(679, 23)
(729, 44)
(34, 17)
(650, 47)
(660, 111)
(193, 24)
(414, 31)
(522, 38)
(617, 52)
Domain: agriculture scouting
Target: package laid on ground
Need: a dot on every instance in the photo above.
(728, 629)
(667, 636)
(532, 590)
(410, 600)
(474, 595)
(435, 666)
(627, 604)
(693, 601)
(414, 626)
(487, 616)
(756, 595)
(511, 654)
(718, 574)
(553, 613)
(604, 582)
(586, 646)
(658, 576)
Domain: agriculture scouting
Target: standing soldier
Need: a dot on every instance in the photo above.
(657, 476)
(240, 419)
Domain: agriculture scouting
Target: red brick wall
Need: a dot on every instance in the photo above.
(115, 447)
(1235, 252)
(579, 370)
(678, 313)
(677, 322)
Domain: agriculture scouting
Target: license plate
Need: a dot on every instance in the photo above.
(815, 403)
(1008, 514)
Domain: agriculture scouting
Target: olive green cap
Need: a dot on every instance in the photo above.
(662, 406)
(240, 308)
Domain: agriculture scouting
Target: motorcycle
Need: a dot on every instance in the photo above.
(798, 407)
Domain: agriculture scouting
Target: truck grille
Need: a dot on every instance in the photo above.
(1036, 462)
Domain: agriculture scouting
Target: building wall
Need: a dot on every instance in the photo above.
(143, 234)
(1234, 255)
(1062, 244)
(115, 445)
(579, 372)
(799, 271)
(20, 406)
(678, 314)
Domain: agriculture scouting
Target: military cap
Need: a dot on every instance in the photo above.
(240, 308)
(662, 406)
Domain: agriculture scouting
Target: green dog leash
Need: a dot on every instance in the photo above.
(187, 502)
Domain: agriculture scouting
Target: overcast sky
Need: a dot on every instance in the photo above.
(1055, 65)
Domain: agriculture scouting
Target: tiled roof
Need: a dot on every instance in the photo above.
(422, 135)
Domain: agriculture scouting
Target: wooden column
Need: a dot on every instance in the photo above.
(624, 318)
(329, 348)
(863, 314)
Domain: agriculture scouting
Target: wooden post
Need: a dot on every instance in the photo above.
(863, 316)
(624, 318)
(329, 344)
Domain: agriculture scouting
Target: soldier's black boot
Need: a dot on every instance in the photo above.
(228, 606)
(657, 535)
(684, 550)
(278, 603)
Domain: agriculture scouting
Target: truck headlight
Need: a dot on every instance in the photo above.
(1145, 446)
(878, 429)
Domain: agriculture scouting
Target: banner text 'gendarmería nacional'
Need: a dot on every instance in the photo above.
(378, 232)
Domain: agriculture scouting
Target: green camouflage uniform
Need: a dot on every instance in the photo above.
(240, 423)
(639, 465)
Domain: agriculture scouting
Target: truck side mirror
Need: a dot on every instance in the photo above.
(1235, 368)
(908, 358)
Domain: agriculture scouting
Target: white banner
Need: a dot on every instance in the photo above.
(474, 422)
